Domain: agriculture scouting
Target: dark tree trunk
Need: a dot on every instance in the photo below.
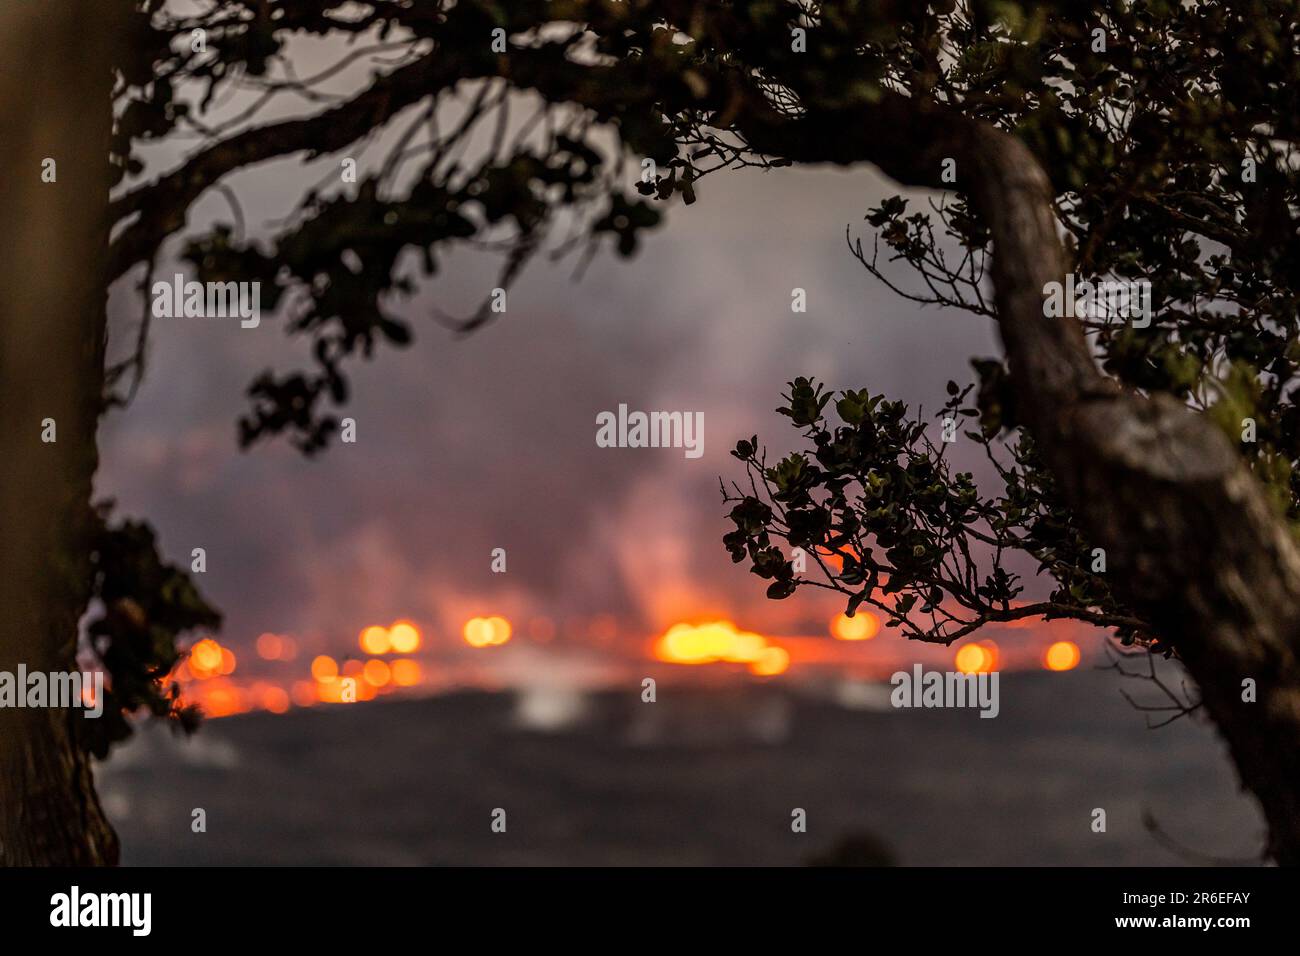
(54, 102)
(1191, 540)
(1190, 536)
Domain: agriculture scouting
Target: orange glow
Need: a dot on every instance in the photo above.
(324, 668)
(205, 659)
(375, 640)
(501, 629)
(863, 626)
(976, 658)
(749, 648)
(773, 660)
(404, 637)
(405, 673)
(227, 661)
(376, 672)
(269, 647)
(717, 641)
(344, 690)
(1062, 656)
(478, 632)
(486, 631)
(276, 700)
(220, 698)
(304, 693)
(697, 644)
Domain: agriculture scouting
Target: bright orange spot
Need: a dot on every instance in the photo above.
(748, 648)
(406, 673)
(269, 647)
(288, 648)
(227, 661)
(697, 643)
(205, 658)
(324, 668)
(863, 626)
(404, 637)
(716, 641)
(478, 632)
(376, 672)
(974, 659)
(486, 631)
(773, 660)
(501, 630)
(1062, 656)
(375, 640)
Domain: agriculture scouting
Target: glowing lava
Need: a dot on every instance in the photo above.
(721, 641)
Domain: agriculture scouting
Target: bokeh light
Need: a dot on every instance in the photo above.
(720, 641)
(1062, 656)
(205, 659)
(405, 672)
(269, 646)
(975, 659)
(486, 631)
(374, 640)
(376, 672)
(772, 661)
(863, 626)
(404, 637)
(324, 668)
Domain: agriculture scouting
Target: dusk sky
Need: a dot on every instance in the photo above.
(466, 444)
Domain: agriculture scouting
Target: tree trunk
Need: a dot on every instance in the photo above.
(1191, 540)
(54, 103)
(1190, 536)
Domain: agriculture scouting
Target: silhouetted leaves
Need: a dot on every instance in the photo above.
(141, 605)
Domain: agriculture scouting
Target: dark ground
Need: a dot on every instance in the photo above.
(698, 778)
